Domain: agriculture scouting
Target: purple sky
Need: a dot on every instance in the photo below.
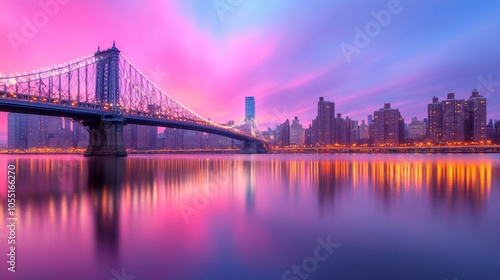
(286, 53)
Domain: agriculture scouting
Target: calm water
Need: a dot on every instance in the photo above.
(255, 217)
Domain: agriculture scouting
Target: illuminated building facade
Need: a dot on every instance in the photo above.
(388, 127)
(457, 121)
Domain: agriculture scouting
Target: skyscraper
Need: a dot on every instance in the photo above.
(17, 131)
(173, 138)
(490, 130)
(130, 136)
(477, 108)
(435, 117)
(364, 131)
(454, 119)
(283, 134)
(389, 126)
(54, 124)
(457, 120)
(352, 129)
(37, 131)
(326, 115)
(308, 135)
(80, 135)
(416, 130)
(340, 132)
(314, 132)
(371, 128)
(270, 135)
(296, 133)
(250, 108)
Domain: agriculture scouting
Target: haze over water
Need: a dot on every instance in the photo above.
(255, 216)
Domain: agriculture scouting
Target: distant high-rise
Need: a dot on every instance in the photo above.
(417, 130)
(250, 108)
(130, 136)
(54, 124)
(490, 130)
(364, 131)
(37, 131)
(326, 126)
(340, 132)
(388, 126)
(80, 135)
(26, 131)
(67, 123)
(283, 134)
(296, 133)
(477, 108)
(173, 138)
(496, 137)
(435, 117)
(308, 135)
(146, 137)
(193, 140)
(453, 119)
(314, 132)
(457, 120)
(371, 128)
(270, 135)
(352, 130)
(17, 131)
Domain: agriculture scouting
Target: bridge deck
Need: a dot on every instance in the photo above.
(31, 104)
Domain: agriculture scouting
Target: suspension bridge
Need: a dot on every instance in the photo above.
(104, 92)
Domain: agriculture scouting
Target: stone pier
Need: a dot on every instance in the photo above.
(105, 138)
(253, 147)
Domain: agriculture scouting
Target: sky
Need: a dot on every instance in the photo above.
(210, 54)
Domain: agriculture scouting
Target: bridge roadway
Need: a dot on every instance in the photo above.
(31, 104)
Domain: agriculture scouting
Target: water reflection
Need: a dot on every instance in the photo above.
(249, 173)
(105, 203)
(139, 184)
(105, 179)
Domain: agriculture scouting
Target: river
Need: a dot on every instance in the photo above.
(330, 216)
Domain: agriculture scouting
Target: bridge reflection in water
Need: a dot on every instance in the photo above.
(107, 202)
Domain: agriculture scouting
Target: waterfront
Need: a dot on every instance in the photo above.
(391, 216)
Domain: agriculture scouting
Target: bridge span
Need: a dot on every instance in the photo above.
(104, 92)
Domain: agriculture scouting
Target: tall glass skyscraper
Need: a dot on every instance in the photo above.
(249, 107)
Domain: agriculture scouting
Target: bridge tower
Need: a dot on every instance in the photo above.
(106, 131)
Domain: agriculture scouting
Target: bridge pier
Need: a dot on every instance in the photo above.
(105, 138)
(253, 147)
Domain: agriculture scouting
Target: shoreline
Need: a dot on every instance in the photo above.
(364, 150)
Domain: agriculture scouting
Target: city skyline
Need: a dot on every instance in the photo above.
(398, 66)
(452, 120)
